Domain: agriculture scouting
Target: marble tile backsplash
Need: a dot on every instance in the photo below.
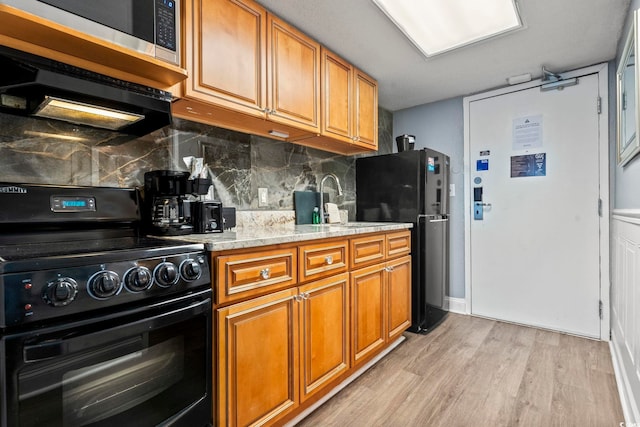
(50, 152)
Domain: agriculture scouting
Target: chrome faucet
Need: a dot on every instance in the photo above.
(323, 219)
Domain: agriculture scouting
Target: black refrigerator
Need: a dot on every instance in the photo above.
(413, 186)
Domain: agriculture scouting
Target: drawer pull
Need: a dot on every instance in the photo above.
(328, 260)
(265, 273)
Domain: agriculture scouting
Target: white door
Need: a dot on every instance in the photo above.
(535, 254)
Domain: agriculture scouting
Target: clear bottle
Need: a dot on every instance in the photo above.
(315, 216)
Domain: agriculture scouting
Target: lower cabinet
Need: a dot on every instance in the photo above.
(276, 351)
(398, 293)
(324, 333)
(279, 349)
(258, 360)
(367, 302)
(381, 306)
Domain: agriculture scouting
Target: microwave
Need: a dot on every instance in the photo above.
(151, 27)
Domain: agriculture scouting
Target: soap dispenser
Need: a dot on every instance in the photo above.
(315, 216)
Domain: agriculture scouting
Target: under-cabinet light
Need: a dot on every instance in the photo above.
(279, 134)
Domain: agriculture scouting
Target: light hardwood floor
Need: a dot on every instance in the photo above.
(477, 372)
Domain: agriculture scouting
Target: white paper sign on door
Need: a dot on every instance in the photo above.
(527, 132)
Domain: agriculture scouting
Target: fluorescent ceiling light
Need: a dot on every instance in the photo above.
(85, 114)
(437, 26)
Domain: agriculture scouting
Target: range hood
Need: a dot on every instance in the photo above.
(34, 86)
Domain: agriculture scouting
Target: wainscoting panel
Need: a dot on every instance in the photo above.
(625, 308)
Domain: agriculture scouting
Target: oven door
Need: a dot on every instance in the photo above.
(145, 367)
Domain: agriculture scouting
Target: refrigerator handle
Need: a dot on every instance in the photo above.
(434, 218)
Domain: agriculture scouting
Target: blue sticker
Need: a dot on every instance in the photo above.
(482, 165)
(431, 164)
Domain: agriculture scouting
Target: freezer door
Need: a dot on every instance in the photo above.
(389, 187)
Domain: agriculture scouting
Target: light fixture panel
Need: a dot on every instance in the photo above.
(438, 26)
(85, 114)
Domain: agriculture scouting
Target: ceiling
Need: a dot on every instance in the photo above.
(560, 34)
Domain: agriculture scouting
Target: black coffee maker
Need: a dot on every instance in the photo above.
(166, 208)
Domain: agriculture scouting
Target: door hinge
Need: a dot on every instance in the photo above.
(600, 309)
(600, 207)
(599, 104)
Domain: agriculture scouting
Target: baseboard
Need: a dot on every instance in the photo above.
(457, 305)
(625, 390)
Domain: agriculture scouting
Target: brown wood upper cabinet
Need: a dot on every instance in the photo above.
(252, 72)
(226, 48)
(293, 75)
(248, 71)
(349, 100)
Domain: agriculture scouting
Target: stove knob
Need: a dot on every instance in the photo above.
(166, 274)
(60, 292)
(138, 279)
(104, 284)
(190, 270)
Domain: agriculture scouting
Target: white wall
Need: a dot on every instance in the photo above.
(625, 265)
(626, 194)
(439, 126)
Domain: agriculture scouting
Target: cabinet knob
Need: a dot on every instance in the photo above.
(388, 269)
(265, 273)
(328, 260)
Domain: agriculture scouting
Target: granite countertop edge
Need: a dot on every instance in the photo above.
(249, 238)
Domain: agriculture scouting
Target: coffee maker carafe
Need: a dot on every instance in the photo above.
(166, 209)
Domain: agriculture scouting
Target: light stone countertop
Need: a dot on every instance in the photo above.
(286, 233)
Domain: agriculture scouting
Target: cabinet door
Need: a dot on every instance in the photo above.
(226, 53)
(257, 360)
(366, 111)
(367, 311)
(324, 333)
(398, 296)
(337, 97)
(293, 70)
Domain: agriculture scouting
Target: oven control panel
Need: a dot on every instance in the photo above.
(51, 294)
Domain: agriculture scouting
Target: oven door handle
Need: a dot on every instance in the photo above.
(123, 333)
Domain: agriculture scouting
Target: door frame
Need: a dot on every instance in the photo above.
(603, 171)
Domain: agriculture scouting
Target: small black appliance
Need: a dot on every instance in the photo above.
(165, 210)
(206, 217)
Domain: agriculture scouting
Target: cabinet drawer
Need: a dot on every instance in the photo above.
(323, 259)
(251, 274)
(367, 250)
(398, 244)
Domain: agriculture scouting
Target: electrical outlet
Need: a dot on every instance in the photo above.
(263, 197)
